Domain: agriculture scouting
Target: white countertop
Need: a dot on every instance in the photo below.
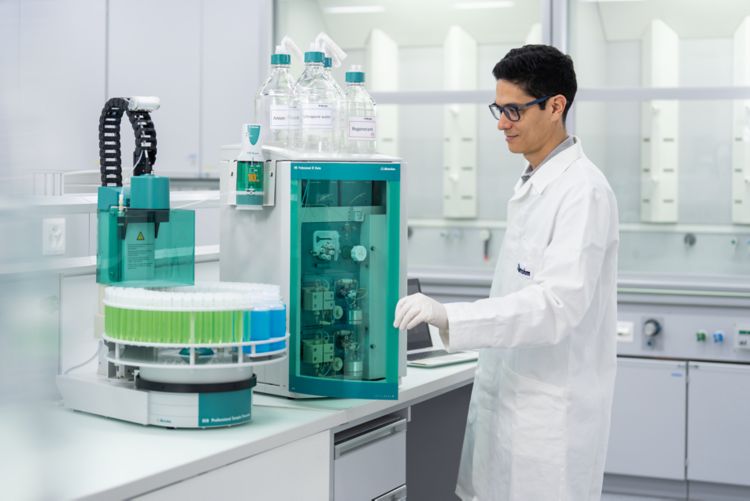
(55, 453)
(418, 385)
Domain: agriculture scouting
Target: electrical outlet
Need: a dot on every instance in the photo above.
(53, 236)
(625, 332)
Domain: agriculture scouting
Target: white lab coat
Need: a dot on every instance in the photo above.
(539, 415)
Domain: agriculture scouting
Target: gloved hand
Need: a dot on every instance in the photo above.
(417, 308)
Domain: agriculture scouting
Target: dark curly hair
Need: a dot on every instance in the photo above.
(540, 70)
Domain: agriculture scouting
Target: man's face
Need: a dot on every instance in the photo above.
(532, 131)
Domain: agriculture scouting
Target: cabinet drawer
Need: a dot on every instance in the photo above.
(371, 464)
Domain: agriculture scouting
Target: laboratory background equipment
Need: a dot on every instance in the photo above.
(680, 395)
(331, 237)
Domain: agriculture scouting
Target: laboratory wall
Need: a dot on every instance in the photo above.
(53, 84)
(60, 60)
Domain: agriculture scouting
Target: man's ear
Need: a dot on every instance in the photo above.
(557, 105)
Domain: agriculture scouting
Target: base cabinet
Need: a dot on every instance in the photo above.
(264, 476)
(679, 430)
(718, 420)
(647, 435)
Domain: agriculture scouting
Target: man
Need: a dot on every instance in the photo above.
(539, 415)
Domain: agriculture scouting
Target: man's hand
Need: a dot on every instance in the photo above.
(417, 308)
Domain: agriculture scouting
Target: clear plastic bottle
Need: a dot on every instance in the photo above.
(327, 65)
(318, 104)
(276, 105)
(339, 124)
(361, 113)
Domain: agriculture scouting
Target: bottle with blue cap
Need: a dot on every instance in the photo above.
(327, 66)
(318, 103)
(276, 107)
(360, 114)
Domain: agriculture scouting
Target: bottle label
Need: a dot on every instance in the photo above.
(317, 116)
(362, 128)
(294, 117)
(282, 117)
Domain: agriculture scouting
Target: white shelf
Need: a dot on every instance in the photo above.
(87, 203)
(587, 94)
(701, 229)
(85, 265)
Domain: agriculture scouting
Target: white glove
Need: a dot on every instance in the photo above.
(417, 308)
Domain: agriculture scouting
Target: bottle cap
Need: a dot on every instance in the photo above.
(355, 74)
(313, 57)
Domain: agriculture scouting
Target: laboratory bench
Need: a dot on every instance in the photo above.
(292, 449)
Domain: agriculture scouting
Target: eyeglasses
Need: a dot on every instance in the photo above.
(513, 111)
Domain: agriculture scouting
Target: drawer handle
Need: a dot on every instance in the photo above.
(369, 437)
(397, 494)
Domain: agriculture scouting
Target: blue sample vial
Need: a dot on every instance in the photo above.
(278, 326)
(246, 328)
(260, 324)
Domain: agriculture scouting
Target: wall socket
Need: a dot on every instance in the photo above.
(625, 332)
(53, 236)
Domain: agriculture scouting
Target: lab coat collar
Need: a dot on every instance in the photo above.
(550, 171)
